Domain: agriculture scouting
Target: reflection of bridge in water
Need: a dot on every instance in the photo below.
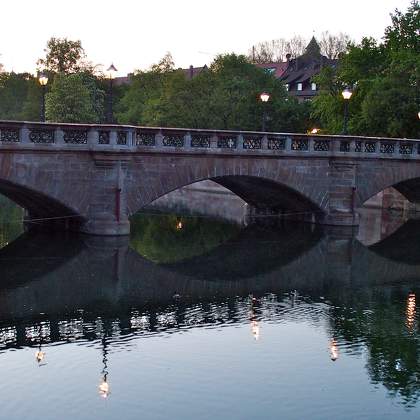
(56, 277)
(103, 293)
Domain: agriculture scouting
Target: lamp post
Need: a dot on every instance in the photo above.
(346, 96)
(43, 80)
(264, 99)
(111, 75)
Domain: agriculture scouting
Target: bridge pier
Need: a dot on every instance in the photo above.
(341, 194)
(107, 212)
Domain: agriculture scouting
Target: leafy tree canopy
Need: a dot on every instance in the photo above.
(385, 79)
(74, 98)
(223, 96)
(63, 56)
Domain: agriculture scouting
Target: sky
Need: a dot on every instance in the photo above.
(133, 34)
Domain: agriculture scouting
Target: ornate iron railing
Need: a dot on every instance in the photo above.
(15, 134)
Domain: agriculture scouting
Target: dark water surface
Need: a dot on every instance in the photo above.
(200, 319)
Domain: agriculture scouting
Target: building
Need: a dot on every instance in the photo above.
(300, 71)
(194, 71)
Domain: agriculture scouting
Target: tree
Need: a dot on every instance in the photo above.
(13, 94)
(404, 33)
(385, 80)
(73, 98)
(333, 45)
(63, 56)
(224, 96)
(141, 102)
(275, 51)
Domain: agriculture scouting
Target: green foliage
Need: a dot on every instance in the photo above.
(75, 98)
(11, 218)
(158, 239)
(385, 79)
(224, 96)
(63, 56)
(404, 33)
(20, 97)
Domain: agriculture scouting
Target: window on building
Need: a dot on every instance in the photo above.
(299, 86)
(313, 86)
(270, 70)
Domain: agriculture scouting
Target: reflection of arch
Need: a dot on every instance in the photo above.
(93, 272)
(253, 252)
(35, 255)
(402, 245)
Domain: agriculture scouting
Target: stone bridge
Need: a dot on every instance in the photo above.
(92, 178)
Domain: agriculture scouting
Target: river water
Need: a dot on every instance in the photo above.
(197, 318)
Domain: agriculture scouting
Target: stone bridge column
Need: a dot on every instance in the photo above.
(107, 214)
(342, 186)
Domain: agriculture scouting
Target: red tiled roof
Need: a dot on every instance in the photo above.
(279, 68)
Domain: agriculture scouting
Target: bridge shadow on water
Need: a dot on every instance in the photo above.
(54, 289)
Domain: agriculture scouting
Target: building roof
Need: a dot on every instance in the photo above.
(277, 68)
(192, 71)
(307, 65)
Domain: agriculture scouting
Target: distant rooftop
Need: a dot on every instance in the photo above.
(275, 68)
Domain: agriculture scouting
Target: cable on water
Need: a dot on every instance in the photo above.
(192, 216)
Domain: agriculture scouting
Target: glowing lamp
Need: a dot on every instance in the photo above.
(265, 97)
(347, 94)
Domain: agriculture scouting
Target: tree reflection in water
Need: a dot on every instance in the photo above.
(382, 320)
(170, 238)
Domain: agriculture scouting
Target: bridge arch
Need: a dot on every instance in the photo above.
(41, 208)
(268, 184)
(373, 178)
(43, 185)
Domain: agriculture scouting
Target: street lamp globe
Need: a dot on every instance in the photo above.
(43, 79)
(111, 70)
(347, 94)
(265, 97)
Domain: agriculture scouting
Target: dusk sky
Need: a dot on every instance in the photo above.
(135, 34)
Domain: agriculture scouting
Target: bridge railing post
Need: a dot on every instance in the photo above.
(24, 134)
(213, 141)
(288, 144)
(131, 138)
(334, 144)
(264, 142)
(187, 140)
(240, 142)
(93, 138)
(159, 139)
(352, 145)
(311, 144)
(59, 136)
(113, 138)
